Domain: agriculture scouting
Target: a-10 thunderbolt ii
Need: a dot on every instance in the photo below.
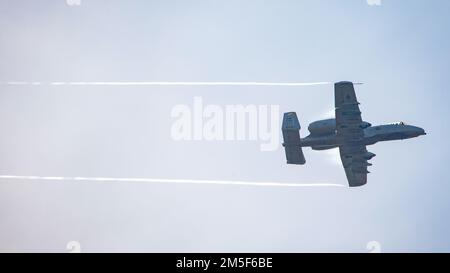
(347, 131)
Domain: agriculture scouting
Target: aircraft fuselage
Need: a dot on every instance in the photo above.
(372, 135)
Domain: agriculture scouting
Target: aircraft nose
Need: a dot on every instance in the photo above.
(421, 132)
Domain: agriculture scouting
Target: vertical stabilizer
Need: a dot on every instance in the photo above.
(292, 142)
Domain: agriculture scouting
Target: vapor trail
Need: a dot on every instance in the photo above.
(174, 181)
(147, 83)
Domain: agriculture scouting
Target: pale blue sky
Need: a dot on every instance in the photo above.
(399, 50)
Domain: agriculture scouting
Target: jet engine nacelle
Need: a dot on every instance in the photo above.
(328, 126)
(323, 127)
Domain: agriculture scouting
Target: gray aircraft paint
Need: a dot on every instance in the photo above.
(357, 134)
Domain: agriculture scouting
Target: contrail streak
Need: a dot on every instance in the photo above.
(147, 83)
(174, 181)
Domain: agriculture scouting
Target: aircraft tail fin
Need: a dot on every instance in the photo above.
(292, 142)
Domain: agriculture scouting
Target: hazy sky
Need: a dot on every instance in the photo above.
(400, 50)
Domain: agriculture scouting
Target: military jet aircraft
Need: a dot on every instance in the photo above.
(347, 131)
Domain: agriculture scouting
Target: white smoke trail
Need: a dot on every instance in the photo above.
(147, 83)
(175, 181)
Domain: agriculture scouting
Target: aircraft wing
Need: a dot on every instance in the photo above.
(355, 164)
(350, 131)
(348, 115)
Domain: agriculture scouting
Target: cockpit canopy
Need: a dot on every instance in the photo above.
(401, 123)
